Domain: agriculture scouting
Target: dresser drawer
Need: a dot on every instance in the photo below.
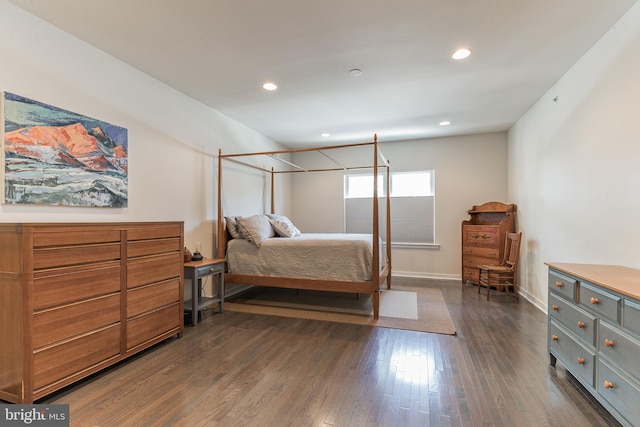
(57, 362)
(57, 324)
(210, 269)
(59, 286)
(153, 231)
(578, 359)
(68, 237)
(562, 285)
(621, 393)
(482, 236)
(152, 247)
(151, 325)
(600, 301)
(488, 253)
(151, 269)
(573, 318)
(620, 348)
(74, 255)
(631, 316)
(150, 297)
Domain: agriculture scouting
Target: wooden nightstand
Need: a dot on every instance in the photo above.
(196, 270)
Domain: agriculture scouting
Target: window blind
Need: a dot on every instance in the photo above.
(412, 218)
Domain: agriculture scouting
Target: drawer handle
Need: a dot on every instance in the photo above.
(580, 361)
(608, 342)
(558, 284)
(581, 325)
(608, 384)
(554, 337)
(595, 300)
(555, 307)
(211, 270)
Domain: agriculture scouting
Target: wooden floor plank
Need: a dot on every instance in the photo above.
(239, 369)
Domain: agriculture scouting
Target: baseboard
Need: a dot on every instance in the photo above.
(536, 302)
(420, 275)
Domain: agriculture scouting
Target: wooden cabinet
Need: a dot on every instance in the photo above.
(483, 237)
(76, 298)
(594, 314)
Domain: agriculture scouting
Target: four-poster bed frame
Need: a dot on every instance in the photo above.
(379, 273)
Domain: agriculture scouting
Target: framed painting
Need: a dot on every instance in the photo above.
(56, 157)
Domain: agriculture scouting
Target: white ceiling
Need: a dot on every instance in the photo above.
(221, 51)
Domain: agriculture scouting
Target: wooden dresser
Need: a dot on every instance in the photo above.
(594, 331)
(483, 237)
(76, 298)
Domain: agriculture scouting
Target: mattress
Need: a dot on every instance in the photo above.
(329, 256)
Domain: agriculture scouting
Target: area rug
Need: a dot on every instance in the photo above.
(409, 308)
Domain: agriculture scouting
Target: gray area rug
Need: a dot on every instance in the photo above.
(403, 307)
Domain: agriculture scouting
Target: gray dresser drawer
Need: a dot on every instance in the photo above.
(562, 285)
(578, 359)
(620, 348)
(631, 316)
(573, 318)
(600, 301)
(621, 393)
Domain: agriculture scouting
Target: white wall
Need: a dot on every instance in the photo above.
(574, 163)
(173, 139)
(469, 170)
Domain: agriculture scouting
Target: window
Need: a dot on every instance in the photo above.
(412, 205)
(412, 184)
(361, 186)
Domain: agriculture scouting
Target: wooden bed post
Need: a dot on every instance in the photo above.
(388, 235)
(273, 200)
(375, 270)
(220, 222)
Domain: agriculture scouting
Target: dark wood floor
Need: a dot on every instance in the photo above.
(237, 369)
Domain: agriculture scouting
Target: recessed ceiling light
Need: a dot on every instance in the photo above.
(325, 135)
(444, 123)
(355, 72)
(461, 53)
(270, 86)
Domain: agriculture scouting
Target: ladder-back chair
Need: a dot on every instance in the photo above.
(504, 275)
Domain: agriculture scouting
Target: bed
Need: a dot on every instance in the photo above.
(268, 250)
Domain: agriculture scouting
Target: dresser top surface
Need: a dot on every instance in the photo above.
(618, 278)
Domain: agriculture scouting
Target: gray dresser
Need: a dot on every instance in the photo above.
(594, 331)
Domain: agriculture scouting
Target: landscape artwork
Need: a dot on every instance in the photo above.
(56, 157)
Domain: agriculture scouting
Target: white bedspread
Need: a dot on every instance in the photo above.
(311, 255)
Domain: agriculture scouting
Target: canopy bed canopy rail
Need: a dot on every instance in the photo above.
(380, 270)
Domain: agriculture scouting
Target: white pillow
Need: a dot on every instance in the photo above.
(232, 226)
(283, 226)
(256, 228)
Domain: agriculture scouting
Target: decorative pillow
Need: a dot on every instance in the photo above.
(283, 226)
(232, 226)
(256, 228)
